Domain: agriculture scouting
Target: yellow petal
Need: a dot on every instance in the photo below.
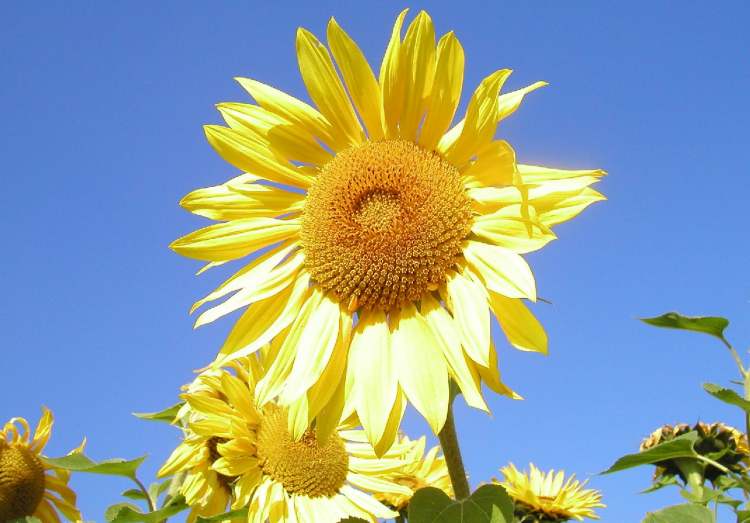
(263, 321)
(491, 376)
(292, 110)
(509, 102)
(532, 174)
(235, 200)
(248, 153)
(508, 228)
(392, 83)
(462, 371)
(518, 323)
(275, 379)
(334, 374)
(568, 206)
(292, 141)
(359, 78)
(422, 372)
(239, 396)
(495, 166)
(446, 91)
(468, 303)
(375, 380)
(478, 127)
(315, 347)
(418, 54)
(276, 280)
(234, 466)
(502, 270)
(235, 239)
(325, 88)
(392, 425)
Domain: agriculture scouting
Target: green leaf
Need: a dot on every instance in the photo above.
(743, 516)
(240, 512)
(112, 467)
(488, 504)
(352, 520)
(660, 483)
(127, 513)
(27, 519)
(727, 396)
(134, 493)
(679, 447)
(712, 325)
(166, 416)
(687, 513)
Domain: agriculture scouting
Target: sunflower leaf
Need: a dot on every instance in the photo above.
(488, 504)
(679, 447)
(167, 415)
(712, 325)
(27, 519)
(127, 513)
(240, 512)
(686, 513)
(727, 396)
(80, 463)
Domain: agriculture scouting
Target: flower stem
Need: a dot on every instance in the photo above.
(452, 453)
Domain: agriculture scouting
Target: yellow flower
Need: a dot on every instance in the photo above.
(418, 471)
(543, 498)
(260, 465)
(385, 245)
(29, 486)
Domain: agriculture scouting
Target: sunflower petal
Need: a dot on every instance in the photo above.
(502, 270)
(518, 323)
(391, 79)
(468, 303)
(418, 54)
(421, 368)
(325, 87)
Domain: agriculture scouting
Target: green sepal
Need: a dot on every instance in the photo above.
(661, 482)
(712, 325)
(679, 447)
(488, 504)
(686, 513)
(78, 462)
(166, 416)
(727, 396)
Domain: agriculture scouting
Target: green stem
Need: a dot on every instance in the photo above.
(151, 507)
(452, 453)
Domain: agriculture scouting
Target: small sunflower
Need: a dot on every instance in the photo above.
(718, 441)
(29, 486)
(259, 465)
(387, 234)
(418, 471)
(549, 498)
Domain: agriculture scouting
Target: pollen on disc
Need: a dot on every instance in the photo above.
(383, 224)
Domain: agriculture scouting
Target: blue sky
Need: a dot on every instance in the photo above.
(101, 135)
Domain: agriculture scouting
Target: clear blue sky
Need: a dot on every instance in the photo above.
(102, 107)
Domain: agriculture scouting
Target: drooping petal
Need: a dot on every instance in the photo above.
(447, 333)
(495, 166)
(491, 376)
(325, 87)
(502, 270)
(421, 367)
(509, 102)
(359, 78)
(518, 323)
(373, 370)
(468, 303)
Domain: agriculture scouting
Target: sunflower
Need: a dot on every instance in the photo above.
(548, 498)
(28, 485)
(206, 491)
(418, 471)
(261, 467)
(383, 235)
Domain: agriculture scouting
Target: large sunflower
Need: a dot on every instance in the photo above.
(238, 455)
(29, 486)
(549, 497)
(386, 234)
